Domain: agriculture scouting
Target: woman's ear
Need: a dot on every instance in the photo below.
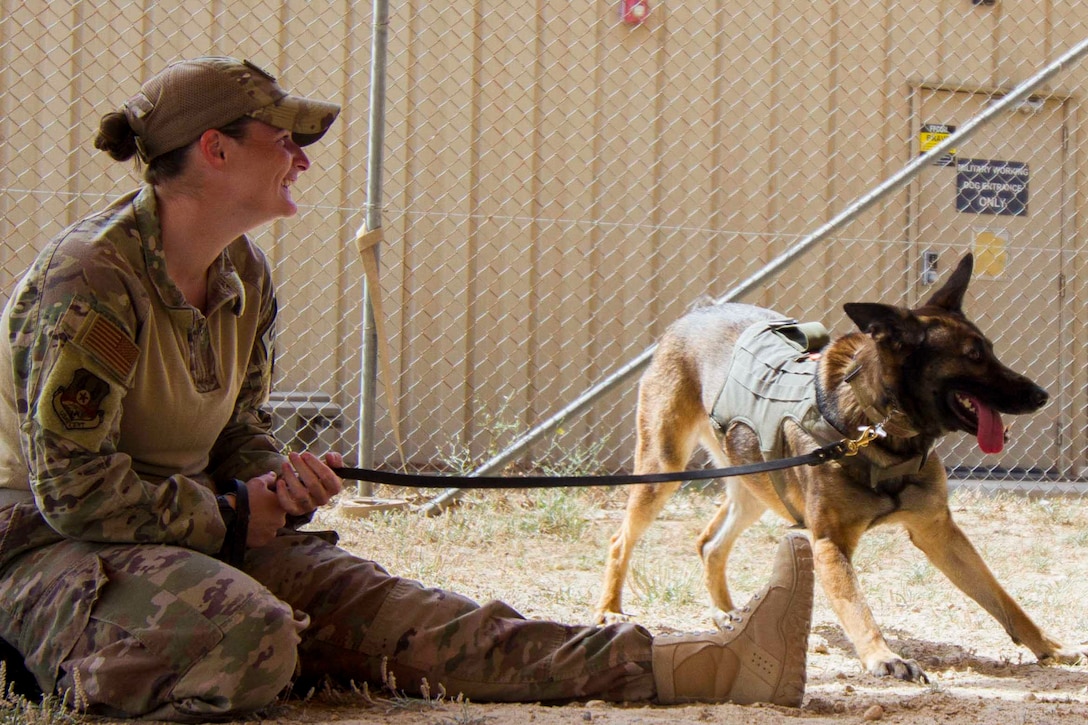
(212, 146)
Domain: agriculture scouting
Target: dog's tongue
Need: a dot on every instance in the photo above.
(991, 434)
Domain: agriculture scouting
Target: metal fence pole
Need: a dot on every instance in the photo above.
(375, 149)
(893, 183)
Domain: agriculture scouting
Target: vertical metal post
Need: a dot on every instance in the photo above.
(375, 149)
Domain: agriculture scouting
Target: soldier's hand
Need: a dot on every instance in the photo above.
(266, 515)
(307, 482)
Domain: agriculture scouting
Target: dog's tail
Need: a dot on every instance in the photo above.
(701, 302)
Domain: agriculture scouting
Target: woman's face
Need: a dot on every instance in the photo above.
(263, 166)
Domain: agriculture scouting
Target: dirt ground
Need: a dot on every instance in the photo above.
(544, 554)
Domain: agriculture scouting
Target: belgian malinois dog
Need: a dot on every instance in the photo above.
(909, 375)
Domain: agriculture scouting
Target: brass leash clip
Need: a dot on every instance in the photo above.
(868, 435)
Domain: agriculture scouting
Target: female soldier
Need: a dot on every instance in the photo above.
(149, 560)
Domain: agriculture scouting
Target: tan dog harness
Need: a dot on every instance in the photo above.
(772, 379)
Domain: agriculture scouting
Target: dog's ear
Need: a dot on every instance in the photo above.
(888, 325)
(950, 295)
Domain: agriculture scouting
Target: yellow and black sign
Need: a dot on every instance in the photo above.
(931, 135)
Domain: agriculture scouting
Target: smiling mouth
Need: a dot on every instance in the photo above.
(980, 419)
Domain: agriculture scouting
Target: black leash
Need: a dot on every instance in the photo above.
(824, 454)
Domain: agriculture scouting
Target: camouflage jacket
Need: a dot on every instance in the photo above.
(121, 404)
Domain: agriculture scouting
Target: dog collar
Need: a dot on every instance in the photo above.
(895, 421)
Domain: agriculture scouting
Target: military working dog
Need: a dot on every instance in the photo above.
(918, 374)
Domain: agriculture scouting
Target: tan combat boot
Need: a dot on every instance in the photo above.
(760, 657)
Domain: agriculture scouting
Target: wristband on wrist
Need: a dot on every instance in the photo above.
(236, 519)
(227, 512)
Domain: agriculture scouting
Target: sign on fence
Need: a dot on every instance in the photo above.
(992, 187)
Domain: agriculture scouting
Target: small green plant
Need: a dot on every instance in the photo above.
(389, 697)
(49, 710)
(500, 429)
(663, 585)
(427, 700)
(876, 548)
(463, 716)
(555, 512)
(497, 430)
(921, 573)
(1040, 557)
(1077, 539)
(579, 460)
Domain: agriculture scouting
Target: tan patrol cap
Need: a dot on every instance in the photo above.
(187, 98)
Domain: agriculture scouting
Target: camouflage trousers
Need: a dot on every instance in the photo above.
(167, 633)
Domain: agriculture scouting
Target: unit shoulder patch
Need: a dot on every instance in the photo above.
(80, 399)
(78, 405)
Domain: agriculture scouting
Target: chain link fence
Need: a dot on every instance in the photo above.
(562, 180)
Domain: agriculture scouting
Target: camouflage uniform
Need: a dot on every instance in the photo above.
(123, 407)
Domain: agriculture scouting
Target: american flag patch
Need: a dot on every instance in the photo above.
(109, 344)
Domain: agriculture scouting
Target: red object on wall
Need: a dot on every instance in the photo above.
(634, 12)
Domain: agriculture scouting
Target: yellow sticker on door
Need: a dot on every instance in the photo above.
(991, 252)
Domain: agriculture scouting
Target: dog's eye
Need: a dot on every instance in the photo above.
(974, 353)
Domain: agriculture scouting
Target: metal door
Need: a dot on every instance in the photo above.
(1002, 196)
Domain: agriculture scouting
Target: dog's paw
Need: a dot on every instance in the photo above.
(1075, 655)
(900, 669)
(724, 621)
(613, 617)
